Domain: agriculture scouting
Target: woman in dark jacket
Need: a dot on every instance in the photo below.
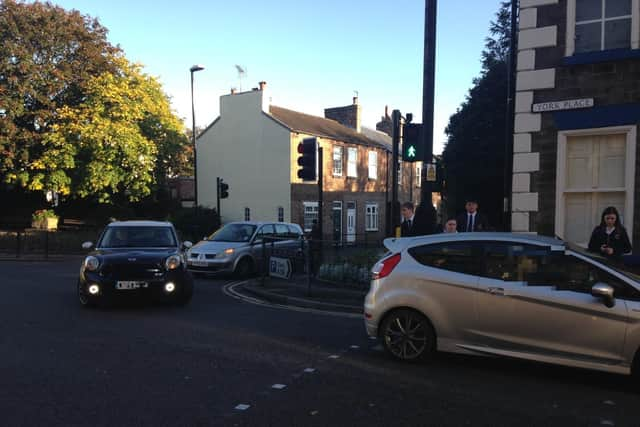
(610, 238)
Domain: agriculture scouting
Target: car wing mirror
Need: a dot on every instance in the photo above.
(87, 245)
(187, 244)
(605, 293)
(205, 238)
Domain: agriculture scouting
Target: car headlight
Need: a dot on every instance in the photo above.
(91, 263)
(173, 262)
(227, 252)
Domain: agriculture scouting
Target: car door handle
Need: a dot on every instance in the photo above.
(495, 291)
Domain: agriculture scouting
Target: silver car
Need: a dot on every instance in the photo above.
(237, 247)
(502, 294)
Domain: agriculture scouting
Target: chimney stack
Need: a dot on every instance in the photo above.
(262, 84)
(233, 91)
(355, 100)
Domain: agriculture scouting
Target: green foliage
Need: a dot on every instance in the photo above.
(79, 118)
(43, 214)
(473, 157)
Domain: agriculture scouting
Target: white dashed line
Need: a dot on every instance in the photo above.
(309, 370)
(242, 407)
(607, 423)
(334, 356)
(609, 402)
(355, 347)
(278, 386)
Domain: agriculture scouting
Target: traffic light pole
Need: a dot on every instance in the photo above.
(320, 192)
(218, 199)
(395, 153)
(428, 87)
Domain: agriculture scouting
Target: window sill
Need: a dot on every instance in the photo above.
(601, 56)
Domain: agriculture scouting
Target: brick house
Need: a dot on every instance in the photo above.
(577, 113)
(253, 147)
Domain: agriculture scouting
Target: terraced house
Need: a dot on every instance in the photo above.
(253, 145)
(577, 116)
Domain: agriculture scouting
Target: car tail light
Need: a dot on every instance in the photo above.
(385, 267)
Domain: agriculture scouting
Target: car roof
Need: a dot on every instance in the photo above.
(398, 244)
(259, 223)
(138, 223)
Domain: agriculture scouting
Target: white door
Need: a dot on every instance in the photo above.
(351, 222)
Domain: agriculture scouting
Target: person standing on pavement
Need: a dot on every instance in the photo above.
(472, 220)
(610, 238)
(407, 227)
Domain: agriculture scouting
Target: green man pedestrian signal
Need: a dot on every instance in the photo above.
(224, 189)
(307, 160)
(412, 142)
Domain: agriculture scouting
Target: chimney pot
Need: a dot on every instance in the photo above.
(355, 100)
(233, 91)
(262, 84)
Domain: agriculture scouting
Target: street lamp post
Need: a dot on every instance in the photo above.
(194, 69)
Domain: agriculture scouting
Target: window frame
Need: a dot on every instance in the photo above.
(280, 214)
(373, 165)
(338, 171)
(372, 219)
(476, 247)
(315, 212)
(247, 214)
(571, 28)
(352, 163)
(561, 173)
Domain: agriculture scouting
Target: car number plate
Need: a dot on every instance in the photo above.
(199, 263)
(131, 285)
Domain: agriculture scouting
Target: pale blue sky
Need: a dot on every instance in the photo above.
(312, 54)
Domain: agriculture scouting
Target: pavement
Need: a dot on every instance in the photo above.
(318, 294)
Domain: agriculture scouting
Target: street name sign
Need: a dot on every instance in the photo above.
(570, 104)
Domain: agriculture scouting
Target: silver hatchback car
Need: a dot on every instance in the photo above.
(503, 294)
(237, 247)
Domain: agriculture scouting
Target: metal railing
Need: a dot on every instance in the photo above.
(44, 243)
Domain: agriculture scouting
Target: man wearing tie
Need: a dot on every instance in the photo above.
(472, 220)
(407, 227)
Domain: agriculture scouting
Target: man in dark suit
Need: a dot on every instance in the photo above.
(472, 220)
(407, 227)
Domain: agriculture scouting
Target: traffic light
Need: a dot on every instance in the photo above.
(308, 150)
(412, 142)
(224, 189)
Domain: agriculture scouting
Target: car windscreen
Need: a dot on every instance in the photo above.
(625, 264)
(234, 233)
(138, 237)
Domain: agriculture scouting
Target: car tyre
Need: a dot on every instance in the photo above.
(408, 335)
(83, 297)
(244, 268)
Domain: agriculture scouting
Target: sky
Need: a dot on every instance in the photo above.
(312, 54)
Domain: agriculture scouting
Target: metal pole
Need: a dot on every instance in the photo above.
(428, 88)
(320, 192)
(218, 200)
(395, 155)
(510, 113)
(195, 151)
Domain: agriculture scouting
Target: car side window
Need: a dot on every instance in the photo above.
(460, 257)
(513, 262)
(282, 231)
(294, 233)
(265, 231)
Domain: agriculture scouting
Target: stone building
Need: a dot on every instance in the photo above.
(577, 113)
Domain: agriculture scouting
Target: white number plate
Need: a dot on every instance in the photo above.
(131, 285)
(200, 263)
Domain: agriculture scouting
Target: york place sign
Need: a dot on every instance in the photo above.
(570, 104)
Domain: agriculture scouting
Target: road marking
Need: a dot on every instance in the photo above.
(309, 370)
(278, 386)
(607, 423)
(334, 356)
(314, 412)
(242, 407)
(229, 290)
(355, 347)
(609, 402)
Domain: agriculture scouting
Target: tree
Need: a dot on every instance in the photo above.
(78, 118)
(47, 56)
(474, 154)
(120, 140)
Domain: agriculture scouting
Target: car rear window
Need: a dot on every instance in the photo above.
(460, 257)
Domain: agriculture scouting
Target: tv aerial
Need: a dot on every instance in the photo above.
(242, 72)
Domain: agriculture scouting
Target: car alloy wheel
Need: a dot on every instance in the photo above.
(83, 296)
(244, 268)
(407, 335)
